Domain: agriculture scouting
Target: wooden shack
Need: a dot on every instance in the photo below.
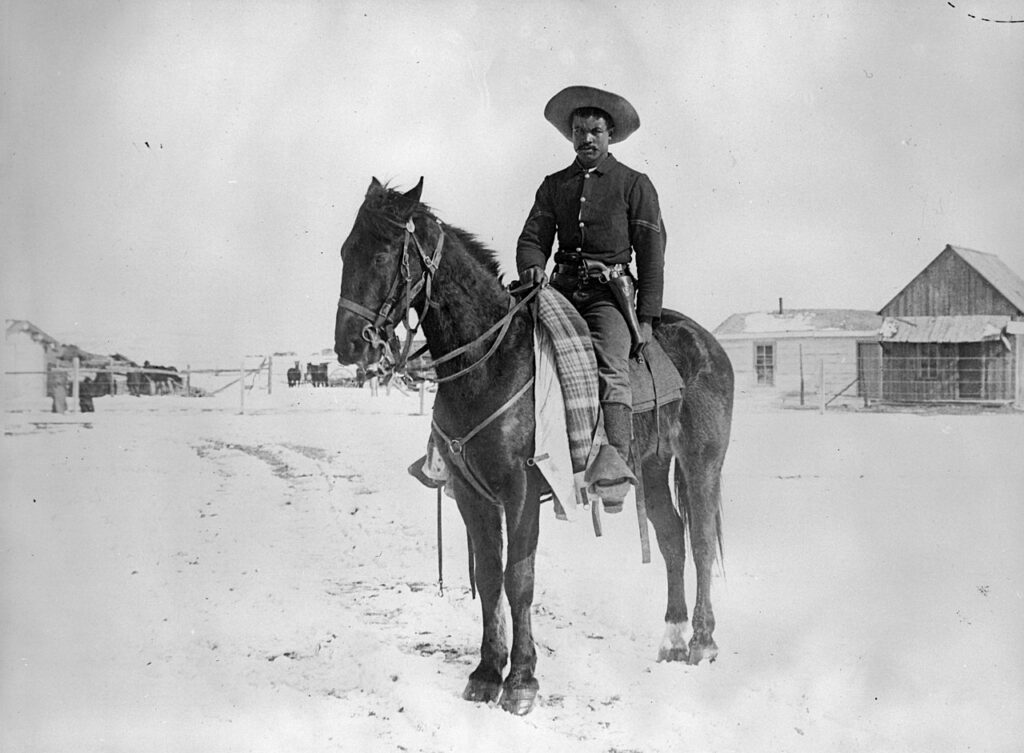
(948, 336)
(782, 355)
(30, 355)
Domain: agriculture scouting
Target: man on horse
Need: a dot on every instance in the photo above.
(602, 213)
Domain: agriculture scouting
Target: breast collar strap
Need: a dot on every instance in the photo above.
(457, 446)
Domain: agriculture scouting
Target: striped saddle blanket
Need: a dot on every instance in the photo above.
(576, 369)
(654, 379)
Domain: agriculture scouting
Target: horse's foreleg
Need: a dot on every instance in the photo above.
(523, 524)
(483, 520)
(670, 530)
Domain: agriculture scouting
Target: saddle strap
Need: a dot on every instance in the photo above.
(641, 506)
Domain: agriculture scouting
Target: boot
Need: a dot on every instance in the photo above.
(430, 470)
(616, 478)
(416, 471)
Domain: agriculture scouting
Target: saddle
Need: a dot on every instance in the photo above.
(654, 379)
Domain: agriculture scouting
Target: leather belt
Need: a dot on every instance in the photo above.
(579, 275)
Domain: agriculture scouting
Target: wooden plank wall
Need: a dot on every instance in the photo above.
(949, 287)
(838, 353)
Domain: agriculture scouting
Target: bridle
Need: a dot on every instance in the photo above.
(380, 328)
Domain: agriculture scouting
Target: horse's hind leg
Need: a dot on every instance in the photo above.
(523, 523)
(483, 520)
(669, 529)
(700, 491)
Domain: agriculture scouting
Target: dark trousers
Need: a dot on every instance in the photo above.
(612, 341)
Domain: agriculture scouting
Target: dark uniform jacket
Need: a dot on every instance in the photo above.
(605, 214)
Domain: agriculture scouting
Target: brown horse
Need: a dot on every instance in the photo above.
(399, 256)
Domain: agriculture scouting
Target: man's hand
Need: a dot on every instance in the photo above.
(646, 331)
(646, 335)
(533, 276)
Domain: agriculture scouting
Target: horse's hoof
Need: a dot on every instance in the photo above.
(675, 653)
(701, 651)
(520, 699)
(481, 691)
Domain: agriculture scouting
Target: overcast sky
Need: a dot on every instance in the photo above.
(178, 177)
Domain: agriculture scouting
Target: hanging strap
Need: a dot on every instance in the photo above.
(440, 548)
(641, 505)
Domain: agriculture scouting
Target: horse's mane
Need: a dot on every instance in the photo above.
(381, 211)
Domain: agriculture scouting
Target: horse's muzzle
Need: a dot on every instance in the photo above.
(350, 345)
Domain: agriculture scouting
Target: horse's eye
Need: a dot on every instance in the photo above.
(382, 259)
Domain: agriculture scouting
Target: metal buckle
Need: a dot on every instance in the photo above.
(455, 447)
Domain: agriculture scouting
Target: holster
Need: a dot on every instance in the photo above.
(624, 289)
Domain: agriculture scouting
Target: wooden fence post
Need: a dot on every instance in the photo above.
(76, 364)
(423, 397)
(188, 380)
(821, 386)
(241, 382)
(801, 375)
(270, 374)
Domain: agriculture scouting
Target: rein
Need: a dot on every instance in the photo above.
(502, 324)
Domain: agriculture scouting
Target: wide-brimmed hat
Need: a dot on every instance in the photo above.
(560, 108)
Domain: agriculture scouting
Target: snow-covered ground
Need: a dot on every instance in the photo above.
(177, 576)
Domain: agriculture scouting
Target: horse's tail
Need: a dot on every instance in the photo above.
(683, 501)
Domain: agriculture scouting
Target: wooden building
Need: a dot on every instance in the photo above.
(782, 355)
(29, 356)
(954, 333)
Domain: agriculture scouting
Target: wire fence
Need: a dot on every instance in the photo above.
(942, 376)
(971, 374)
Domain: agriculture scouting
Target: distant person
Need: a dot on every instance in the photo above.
(57, 389)
(85, 393)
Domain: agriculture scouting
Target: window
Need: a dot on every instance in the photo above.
(764, 363)
(928, 361)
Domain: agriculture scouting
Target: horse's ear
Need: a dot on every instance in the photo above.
(413, 194)
(375, 187)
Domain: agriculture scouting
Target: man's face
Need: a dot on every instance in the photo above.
(590, 139)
